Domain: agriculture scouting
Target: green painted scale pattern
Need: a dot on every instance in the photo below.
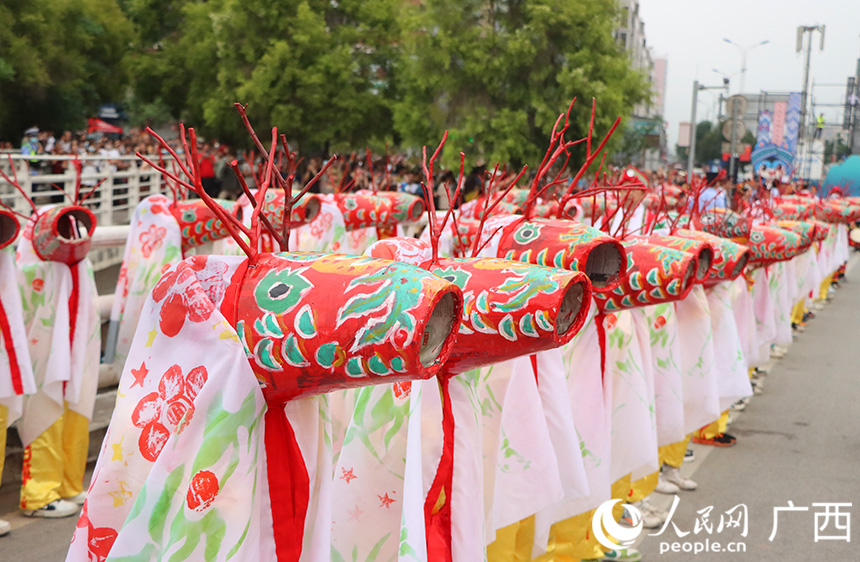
(198, 224)
(311, 323)
(527, 233)
(657, 279)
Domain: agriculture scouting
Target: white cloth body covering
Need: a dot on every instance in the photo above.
(194, 485)
(65, 371)
(154, 243)
(631, 387)
(591, 404)
(10, 296)
(701, 388)
(732, 377)
(763, 307)
(745, 323)
(666, 366)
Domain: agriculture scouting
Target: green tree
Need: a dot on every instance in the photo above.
(709, 141)
(497, 74)
(59, 60)
(316, 69)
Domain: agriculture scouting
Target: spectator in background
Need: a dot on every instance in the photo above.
(207, 171)
(30, 146)
(64, 145)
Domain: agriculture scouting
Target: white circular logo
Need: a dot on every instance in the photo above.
(604, 526)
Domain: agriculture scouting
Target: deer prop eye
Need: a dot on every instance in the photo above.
(279, 291)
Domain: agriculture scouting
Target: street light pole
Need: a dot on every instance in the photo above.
(744, 51)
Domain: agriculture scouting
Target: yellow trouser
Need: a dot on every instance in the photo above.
(716, 428)
(513, 543)
(643, 487)
(797, 313)
(822, 290)
(55, 463)
(4, 413)
(572, 540)
(673, 454)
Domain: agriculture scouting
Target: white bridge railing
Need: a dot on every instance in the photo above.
(113, 202)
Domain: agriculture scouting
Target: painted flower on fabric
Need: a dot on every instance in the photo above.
(182, 298)
(160, 413)
(201, 491)
(610, 321)
(151, 239)
(402, 389)
(100, 542)
(321, 225)
(659, 322)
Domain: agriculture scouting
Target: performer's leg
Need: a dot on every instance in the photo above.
(76, 441)
(572, 540)
(513, 543)
(643, 487)
(671, 458)
(715, 433)
(43, 468)
(797, 313)
(673, 455)
(4, 416)
(5, 527)
(822, 290)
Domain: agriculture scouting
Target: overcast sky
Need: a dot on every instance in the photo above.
(689, 33)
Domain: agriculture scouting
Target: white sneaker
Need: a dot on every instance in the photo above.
(77, 500)
(54, 510)
(5, 528)
(673, 475)
(651, 519)
(666, 487)
(740, 405)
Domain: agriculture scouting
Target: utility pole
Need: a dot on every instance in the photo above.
(691, 154)
(804, 142)
(801, 32)
(691, 150)
(854, 138)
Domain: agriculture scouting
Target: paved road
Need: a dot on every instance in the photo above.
(798, 441)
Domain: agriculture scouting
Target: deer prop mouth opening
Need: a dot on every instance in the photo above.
(689, 275)
(75, 224)
(9, 229)
(64, 234)
(706, 259)
(416, 210)
(437, 330)
(603, 265)
(312, 209)
(742, 263)
(570, 309)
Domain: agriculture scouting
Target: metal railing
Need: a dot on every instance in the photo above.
(125, 184)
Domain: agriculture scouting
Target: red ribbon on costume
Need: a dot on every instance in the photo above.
(437, 518)
(289, 485)
(601, 341)
(17, 385)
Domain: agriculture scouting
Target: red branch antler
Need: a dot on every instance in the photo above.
(13, 181)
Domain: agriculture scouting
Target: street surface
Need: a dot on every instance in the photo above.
(798, 441)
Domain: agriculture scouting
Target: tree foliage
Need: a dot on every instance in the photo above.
(314, 68)
(331, 74)
(497, 73)
(59, 60)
